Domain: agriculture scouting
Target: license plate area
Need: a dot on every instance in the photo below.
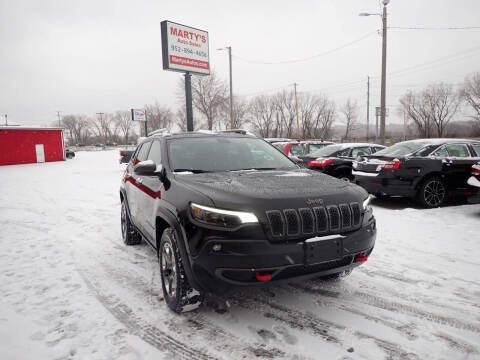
(318, 250)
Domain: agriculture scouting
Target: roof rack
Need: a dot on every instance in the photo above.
(162, 131)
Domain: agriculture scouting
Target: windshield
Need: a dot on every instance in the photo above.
(327, 151)
(212, 154)
(402, 148)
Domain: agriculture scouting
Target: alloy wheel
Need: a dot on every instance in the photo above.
(169, 269)
(434, 193)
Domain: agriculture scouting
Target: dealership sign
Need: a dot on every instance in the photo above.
(184, 48)
(139, 115)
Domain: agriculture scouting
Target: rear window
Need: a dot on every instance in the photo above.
(402, 148)
(327, 150)
(315, 147)
(458, 150)
(476, 148)
(296, 149)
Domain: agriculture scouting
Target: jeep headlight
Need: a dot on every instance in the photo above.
(366, 203)
(220, 217)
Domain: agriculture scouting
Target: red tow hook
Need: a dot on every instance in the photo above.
(361, 258)
(263, 277)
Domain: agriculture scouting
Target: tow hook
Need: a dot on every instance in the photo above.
(361, 258)
(263, 277)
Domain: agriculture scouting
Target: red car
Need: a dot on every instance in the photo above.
(291, 148)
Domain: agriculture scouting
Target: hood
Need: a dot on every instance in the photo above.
(276, 189)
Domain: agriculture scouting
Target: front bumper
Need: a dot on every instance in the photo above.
(379, 185)
(225, 263)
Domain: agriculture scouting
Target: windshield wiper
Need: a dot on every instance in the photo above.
(256, 168)
(195, 171)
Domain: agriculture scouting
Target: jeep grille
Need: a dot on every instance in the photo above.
(319, 220)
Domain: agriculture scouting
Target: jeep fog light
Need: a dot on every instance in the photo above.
(220, 217)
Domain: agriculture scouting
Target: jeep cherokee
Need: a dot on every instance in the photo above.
(224, 210)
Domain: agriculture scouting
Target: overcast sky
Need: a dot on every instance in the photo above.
(86, 56)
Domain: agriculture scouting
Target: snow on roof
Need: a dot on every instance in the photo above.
(22, 127)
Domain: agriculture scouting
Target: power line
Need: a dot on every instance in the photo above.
(435, 28)
(306, 58)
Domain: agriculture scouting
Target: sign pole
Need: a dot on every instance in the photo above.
(188, 100)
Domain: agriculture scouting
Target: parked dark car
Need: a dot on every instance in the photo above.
(474, 181)
(125, 156)
(69, 154)
(429, 170)
(336, 160)
(226, 210)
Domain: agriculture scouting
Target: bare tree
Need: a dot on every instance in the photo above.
(77, 127)
(318, 116)
(442, 102)
(240, 113)
(158, 117)
(349, 110)
(263, 109)
(470, 92)
(286, 123)
(209, 93)
(124, 123)
(432, 109)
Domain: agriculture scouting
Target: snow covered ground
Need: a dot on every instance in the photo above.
(70, 289)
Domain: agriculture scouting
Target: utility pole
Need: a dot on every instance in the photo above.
(368, 104)
(231, 87)
(384, 70)
(6, 122)
(229, 48)
(377, 114)
(101, 122)
(59, 119)
(296, 109)
(404, 126)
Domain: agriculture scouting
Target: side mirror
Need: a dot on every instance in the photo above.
(147, 168)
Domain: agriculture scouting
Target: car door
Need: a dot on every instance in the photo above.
(152, 189)
(459, 164)
(133, 183)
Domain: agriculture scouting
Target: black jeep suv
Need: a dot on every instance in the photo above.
(429, 170)
(224, 210)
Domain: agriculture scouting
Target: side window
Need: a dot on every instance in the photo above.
(344, 153)
(476, 148)
(142, 153)
(458, 150)
(360, 151)
(442, 152)
(155, 153)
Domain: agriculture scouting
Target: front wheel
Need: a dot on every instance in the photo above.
(129, 234)
(432, 193)
(177, 292)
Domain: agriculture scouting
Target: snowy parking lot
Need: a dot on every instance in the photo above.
(70, 289)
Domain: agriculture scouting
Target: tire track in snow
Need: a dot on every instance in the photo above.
(195, 322)
(320, 327)
(389, 305)
(147, 332)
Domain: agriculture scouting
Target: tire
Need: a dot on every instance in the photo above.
(345, 176)
(129, 234)
(432, 193)
(337, 276)
(177, 292)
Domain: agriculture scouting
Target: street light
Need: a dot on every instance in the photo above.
(229, 48)
(384, 67)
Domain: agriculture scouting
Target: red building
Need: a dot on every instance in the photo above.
(24, 145)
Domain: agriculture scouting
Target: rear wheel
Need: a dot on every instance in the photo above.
(129, 234)
(177, 292)
(432, 193)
